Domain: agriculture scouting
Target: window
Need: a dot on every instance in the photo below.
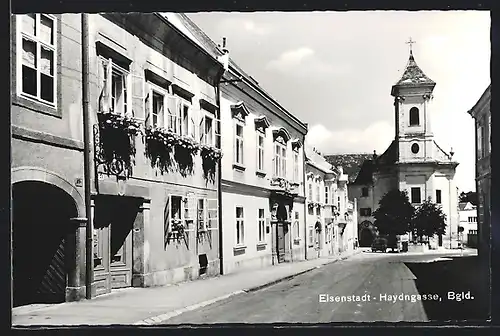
(297, 226)
(240, 226)
(295, 166)
(310, 191)
(176, 202)
(186, 117)
(415, 195)
(480, 140)
(338, 203)
(156, 103)
(210, 130)
(279, 159)
(311, 236)
(262, 224)
(414, 117)
(202, 224)
(366, 212)
(326, 195)
(318, 211)
(489, 133)
(212, 214)
(472, 219)
(38, 52)
(318, 194)
(438, 196)
(238, 143)
(364, 192)
(415, 148)
(260, 151)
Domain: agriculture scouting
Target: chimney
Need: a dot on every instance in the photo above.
(224, 58)
(374, 154)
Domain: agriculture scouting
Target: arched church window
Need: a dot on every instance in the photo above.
(415, 148)
(414, 116)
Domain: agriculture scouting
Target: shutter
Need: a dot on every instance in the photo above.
(171, 113)
(103, 80)
(136, 96)
(201, 128)
(192, 122)
(216, 131)
(148, 107)
(166, 218)
(109, 83)
(212, 213)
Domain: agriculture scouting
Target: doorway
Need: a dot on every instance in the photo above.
(281, 241)
(41, 256)
(366, 238)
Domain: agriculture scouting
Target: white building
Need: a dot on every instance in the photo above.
(468, 221)
(413, 162)
(331, 220)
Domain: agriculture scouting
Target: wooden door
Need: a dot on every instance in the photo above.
(281, 242)
(121, 260)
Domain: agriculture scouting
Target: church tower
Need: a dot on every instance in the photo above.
(412, 95)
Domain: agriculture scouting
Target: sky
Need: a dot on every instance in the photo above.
(334, 71)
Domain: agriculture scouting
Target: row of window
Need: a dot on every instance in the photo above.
(329, 194)
(280, 153)
(261, 224)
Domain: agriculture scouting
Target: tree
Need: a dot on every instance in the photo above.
(429, 220)
(394, 214)
(470, 196)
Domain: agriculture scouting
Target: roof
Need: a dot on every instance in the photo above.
(351, 163)
(390, 156)
(317, 160)
(365, 175)
(413, 75)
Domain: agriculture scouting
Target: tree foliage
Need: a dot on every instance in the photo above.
(429, 220)
(470, 196)
(394, 214)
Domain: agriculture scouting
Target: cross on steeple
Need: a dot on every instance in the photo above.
(410, 42)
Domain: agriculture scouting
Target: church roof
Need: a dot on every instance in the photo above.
(413, 75)
(390, 156)
(365, 175)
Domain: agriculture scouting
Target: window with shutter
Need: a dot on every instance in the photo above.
(212, 214)
(173, 120)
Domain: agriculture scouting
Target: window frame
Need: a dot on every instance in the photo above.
(261, 150)
(54, 48)
(261, 221)
(239, 143)
(149, 105)
(203, 134)
(279, 159)
(414, 118)
(439, 196)
(327, 194)
(297, 224)
(181, 105)
(240, 223)
(412, 189)
(296, 175)
(365, 194)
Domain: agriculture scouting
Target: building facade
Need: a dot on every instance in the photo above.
(413, 162)
(481, 113)
(156, 145)
(262, 176)
(331, 221)
(47, 159)
(468, 223)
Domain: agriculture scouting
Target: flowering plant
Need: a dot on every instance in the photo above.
(210, 156)
(116, 137)
(159, 146)
(185, 149)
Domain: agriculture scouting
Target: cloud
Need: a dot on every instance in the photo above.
(252, 27)
(304, 62)
(377, 136)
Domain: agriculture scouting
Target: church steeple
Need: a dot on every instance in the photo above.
(412, 76)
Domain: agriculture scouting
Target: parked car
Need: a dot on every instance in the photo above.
(379, 244)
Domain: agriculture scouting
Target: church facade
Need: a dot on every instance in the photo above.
(413, 161)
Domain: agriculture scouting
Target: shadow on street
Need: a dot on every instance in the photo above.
(458, 275)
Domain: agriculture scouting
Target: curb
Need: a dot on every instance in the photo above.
(163, 317)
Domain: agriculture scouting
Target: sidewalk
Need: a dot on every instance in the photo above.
(153, 305)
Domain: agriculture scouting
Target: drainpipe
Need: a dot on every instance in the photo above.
(306, 214)
(89, 274)
(449, 206)
(219, 184)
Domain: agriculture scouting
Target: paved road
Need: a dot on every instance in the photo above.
(368, 279)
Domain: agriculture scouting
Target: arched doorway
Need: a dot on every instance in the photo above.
(40, 252)
(366, 238)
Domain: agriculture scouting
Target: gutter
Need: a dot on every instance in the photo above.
(219, 176)
(89, 269)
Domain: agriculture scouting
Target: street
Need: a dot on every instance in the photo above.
(364, 288)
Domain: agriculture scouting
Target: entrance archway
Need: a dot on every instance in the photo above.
(40, 252)
(366, 238)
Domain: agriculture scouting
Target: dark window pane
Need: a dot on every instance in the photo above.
(29, 80)
(47, 89)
